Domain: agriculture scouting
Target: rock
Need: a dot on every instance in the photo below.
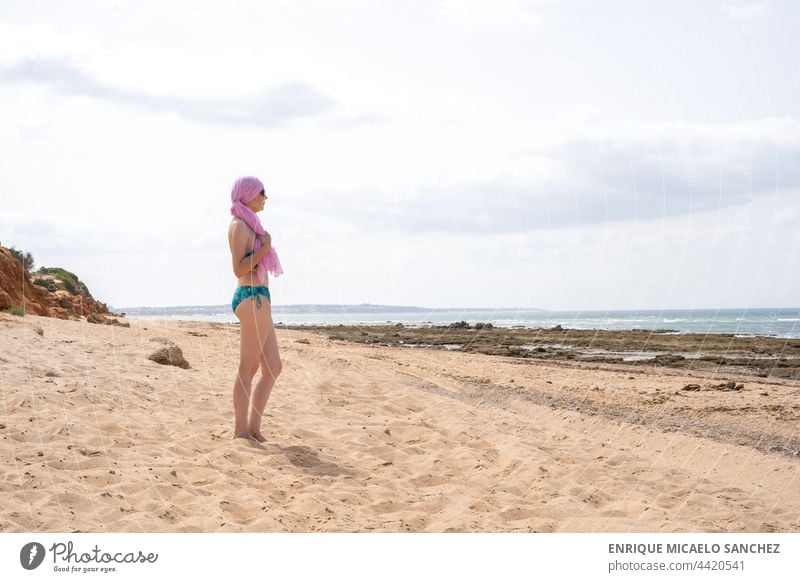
(667, 359)
(168, 353)
(691, 387)
(95, 318)
(558, 328)
(729, 386)
(39, 330)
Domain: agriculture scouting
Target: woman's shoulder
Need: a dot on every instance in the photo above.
(237, 224)
(239, 229)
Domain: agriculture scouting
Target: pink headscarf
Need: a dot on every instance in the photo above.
(244, 190)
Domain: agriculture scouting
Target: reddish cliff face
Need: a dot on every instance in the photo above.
(17, 289)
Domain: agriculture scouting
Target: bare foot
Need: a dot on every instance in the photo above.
(258, 436)
(246, 436)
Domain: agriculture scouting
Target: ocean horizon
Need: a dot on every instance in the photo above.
(771, 322)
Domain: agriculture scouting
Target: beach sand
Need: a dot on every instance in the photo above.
(97, 438)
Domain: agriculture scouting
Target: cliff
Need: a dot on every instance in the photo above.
(49, 292)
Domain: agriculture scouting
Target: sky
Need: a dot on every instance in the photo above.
(581, 155)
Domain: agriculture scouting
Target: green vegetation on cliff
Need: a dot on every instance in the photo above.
(25, 258)
(71, 281)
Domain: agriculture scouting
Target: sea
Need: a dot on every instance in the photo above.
(777, 322)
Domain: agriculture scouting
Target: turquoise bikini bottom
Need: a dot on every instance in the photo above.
(243, 293)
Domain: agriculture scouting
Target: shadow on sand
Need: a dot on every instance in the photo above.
(308, 460)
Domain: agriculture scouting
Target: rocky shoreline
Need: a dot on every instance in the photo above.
(721, 353)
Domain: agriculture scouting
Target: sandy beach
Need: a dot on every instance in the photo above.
(367, 437)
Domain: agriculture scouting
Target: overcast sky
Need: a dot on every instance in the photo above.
(562, 155)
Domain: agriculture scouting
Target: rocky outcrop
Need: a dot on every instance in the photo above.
(166, 352)
(69, 297)
(49, 292)
(98, 318)
(16, 288)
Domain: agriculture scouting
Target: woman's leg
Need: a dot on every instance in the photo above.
(271, 366)
(254, 326)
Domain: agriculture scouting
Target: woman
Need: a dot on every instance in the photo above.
(253, 256)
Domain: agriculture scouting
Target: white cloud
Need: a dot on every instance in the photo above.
(484, 13)
(18, 42)
(274, 107)
(606, 173)
(789, 215)
(746, 12)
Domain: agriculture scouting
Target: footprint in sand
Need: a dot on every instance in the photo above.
(386, 507)
(429, 480)
(516, 514)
